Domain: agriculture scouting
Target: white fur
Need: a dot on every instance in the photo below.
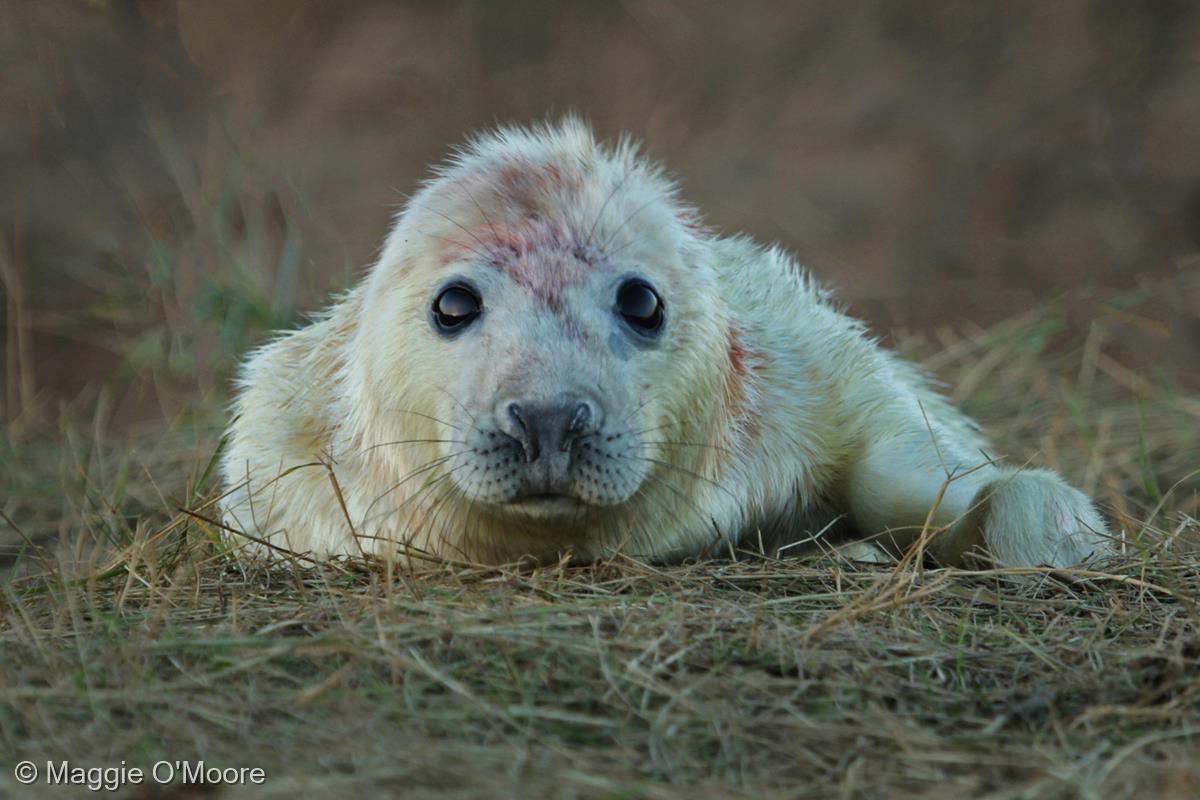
(762, 413)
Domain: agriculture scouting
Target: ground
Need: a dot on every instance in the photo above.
(139, 638)
(1007, 193)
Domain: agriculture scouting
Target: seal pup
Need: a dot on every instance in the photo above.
(553, 355)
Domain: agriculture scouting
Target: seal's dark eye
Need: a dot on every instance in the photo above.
(456, 307)
(640, 306)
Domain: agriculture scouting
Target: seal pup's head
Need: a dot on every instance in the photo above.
(538, 345)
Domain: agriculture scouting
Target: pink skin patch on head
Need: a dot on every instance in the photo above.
(518, 180)
(524, 184)
(544, 257)
(741, 388)
(520, 228)
(540, 255)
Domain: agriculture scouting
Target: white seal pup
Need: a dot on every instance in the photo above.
(552, 355)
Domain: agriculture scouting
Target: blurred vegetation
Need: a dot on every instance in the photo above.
(1009, 193)
(185, 176)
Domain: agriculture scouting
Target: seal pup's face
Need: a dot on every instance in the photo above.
(545, 307)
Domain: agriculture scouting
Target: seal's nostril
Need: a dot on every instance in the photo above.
(545, 428)
(522, 431)
(514, 412)
(579, 420)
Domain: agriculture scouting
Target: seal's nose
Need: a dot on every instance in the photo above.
(546, 427)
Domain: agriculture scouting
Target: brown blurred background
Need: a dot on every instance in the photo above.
(180, 177)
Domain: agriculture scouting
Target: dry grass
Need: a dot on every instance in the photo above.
(137, 637)
(166, 213)
(624, 680)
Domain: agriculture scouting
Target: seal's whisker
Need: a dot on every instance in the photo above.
(435, 508)
(434, 481)
(627, 220)
(482, 213)
(653, 396)
(430, 520)
(472, 536)
(427, 416)
(664, 425)
(426, 467)
(408, 533)
(674, 490)
(412, 441)
(685, 471)
(507, 520)
(689, 444)
(467, 411)
(631, 534)
(603, 206)
(456, 242)
(379, 517)
(452, 221)
(628, 243)
(447, 240)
